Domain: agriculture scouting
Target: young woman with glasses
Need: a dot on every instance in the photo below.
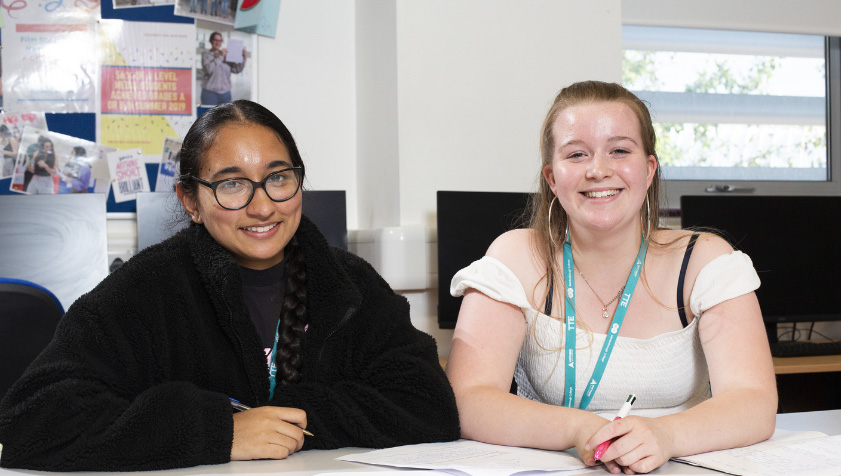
(248, 303)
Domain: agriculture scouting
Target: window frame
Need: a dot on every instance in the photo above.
(674, 189)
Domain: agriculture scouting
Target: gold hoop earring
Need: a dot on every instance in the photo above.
(647, 233)
(551, 235)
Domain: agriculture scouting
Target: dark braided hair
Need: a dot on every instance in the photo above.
(293, 316)
(293, 312)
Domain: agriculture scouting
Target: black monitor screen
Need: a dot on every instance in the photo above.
(468, 222)
(328, 210)
(794, 245)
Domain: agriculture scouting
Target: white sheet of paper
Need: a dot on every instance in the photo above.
(432, 472)
(235, 47)
(471, 457)
(395, 472)
(787, 453)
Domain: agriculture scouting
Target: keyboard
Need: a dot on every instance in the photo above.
(804, 348)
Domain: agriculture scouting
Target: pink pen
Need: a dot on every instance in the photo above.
(622, 413)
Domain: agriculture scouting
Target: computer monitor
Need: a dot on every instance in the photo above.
(793, 242)
(328, 210)
(159, 216)
(56, 241)
(468, 222)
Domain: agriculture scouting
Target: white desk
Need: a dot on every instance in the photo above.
(309, 463)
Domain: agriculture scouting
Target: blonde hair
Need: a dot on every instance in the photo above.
(548, 241)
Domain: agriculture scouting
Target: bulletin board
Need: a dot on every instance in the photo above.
(83, 125)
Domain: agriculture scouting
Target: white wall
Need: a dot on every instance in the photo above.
(307, 76)
(378, 172)
(474, 81)
(475, 78)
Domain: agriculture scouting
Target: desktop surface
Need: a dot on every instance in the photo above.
(311, 463)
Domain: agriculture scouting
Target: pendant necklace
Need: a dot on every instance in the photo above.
(605, 314)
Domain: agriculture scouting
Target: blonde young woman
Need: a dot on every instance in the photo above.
(595, 267)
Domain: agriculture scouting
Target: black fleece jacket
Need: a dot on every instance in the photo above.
(140, 369)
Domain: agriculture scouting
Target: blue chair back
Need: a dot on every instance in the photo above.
(29, 314)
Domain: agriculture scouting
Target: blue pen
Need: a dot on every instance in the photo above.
(240, 407)
(237, 405)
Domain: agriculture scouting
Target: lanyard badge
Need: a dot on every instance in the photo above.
(612, 334)
(273, 366)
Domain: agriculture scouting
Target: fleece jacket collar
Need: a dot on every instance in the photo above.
(331, 294)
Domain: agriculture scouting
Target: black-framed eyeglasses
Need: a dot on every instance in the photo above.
(236, 193)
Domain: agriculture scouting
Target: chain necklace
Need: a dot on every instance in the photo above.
(605, 314)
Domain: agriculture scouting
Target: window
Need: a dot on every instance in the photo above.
(737, 111)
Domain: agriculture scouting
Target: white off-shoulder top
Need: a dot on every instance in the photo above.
(668, 373)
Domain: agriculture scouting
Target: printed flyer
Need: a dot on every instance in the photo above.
(169, 165)
(225, 66)
(52, 163)
(128, 174)
(47, 60)
(217, 11)
(258, 16)
(146, 84)
(11, 133)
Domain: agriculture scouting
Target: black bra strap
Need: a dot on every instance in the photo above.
(680, 279)
(547, 308)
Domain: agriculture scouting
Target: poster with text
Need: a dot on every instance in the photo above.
(52, 163)
(11, 133)
(128, 174)
(47, 54)
(216, 11)
(146, 84)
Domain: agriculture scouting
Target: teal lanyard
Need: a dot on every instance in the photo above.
(273, 366)
(613, 332)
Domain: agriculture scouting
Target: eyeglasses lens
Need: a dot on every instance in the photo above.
(237, 193)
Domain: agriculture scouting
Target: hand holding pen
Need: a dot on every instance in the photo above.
(240, 407)
(633, 444)
(267, 432)
(622, 413)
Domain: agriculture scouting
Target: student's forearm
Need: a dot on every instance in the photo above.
(735, 418)
(494, 416)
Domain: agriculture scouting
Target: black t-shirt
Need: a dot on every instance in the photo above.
(49, 161)
(263, 293)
